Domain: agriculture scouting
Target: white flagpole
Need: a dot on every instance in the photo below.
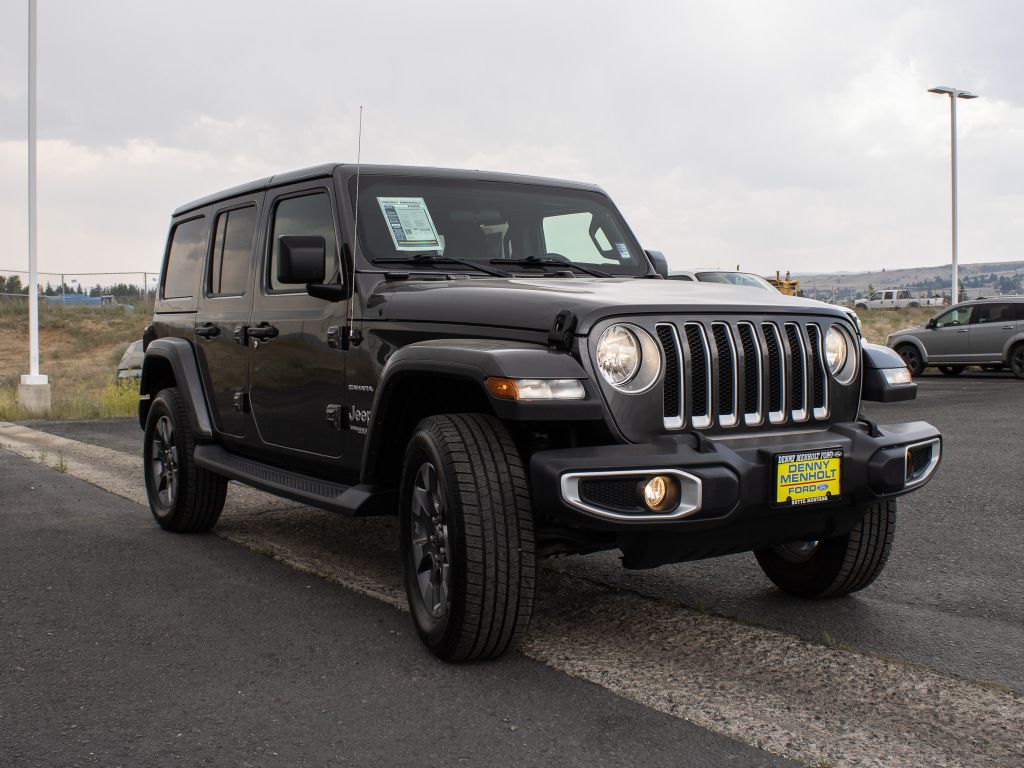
(34, 393)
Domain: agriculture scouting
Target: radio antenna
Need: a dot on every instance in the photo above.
(355, 225)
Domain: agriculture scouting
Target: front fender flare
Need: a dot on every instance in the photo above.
(876, 359)
(474, 360)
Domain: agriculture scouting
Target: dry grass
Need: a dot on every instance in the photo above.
(876, 324)
(79, 348)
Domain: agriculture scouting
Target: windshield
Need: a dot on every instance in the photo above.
(491, 222)
(736, 278)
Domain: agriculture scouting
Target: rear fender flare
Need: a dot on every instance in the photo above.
(181, 357)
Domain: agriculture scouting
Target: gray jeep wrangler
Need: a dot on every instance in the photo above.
(496, 360)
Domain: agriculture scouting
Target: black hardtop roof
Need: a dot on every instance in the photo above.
(349, 170)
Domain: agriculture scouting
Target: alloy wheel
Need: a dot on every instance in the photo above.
(430, 549)
(911, 358)
(164, 462)
(1017, 362)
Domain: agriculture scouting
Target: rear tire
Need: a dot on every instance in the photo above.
(838, 566)
(467, 540)
(911, 358)
(183, 497)
(952, 370)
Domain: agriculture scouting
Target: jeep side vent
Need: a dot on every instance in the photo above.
(699, 375)
(673, 383)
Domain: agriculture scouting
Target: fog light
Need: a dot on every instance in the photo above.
(661, 493)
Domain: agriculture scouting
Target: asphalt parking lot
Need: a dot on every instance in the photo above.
(949, 601)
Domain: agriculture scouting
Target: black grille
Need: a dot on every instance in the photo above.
(611, 493)
(751, 370)
(698, 370)
(774, 368)
(797, 371)
(673, 388)
(817, 369)
(726, 369)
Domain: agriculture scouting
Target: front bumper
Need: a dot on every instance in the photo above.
(729, 484)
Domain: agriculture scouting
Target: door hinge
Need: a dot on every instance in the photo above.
(336, 416)
(241, 400)
(241, 336)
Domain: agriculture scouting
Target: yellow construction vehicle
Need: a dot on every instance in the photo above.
(788, 286)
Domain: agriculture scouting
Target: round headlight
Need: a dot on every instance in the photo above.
(835, 350)
(618, 355)
(628, 358)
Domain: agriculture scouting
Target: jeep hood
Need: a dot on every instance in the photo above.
(532, 303)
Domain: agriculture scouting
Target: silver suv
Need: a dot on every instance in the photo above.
(985, 332)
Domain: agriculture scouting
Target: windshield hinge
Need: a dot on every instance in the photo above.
(562, 330)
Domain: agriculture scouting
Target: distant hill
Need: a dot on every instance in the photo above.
(984, 279)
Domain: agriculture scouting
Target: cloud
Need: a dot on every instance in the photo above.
(790, 135)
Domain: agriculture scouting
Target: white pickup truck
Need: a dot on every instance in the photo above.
(895, 299)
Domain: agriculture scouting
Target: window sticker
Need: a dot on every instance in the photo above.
(410, 224)
(623, 251)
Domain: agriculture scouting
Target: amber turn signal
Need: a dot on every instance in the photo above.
(504, 388)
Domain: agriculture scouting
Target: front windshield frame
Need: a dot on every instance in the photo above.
(759, 282)
(527, 208)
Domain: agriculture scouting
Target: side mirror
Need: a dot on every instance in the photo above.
(300, 259)
(659, 261)
(931, 323)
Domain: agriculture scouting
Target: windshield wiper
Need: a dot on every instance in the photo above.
(537, 261)
(433, 258)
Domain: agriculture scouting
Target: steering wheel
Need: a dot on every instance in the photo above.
(556, 257)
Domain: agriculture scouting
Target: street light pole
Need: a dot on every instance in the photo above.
(954, 94)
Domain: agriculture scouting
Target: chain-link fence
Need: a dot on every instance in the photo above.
(82, 288)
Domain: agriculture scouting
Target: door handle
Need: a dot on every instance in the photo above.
(262, 331)
(962, 330)
(1007, 327)
(208, 330)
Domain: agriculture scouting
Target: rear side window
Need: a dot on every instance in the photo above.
(306, 215)
(232, 252)
(185, 259)
(1018, 309)
(993, 313)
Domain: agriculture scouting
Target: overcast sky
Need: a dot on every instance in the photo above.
(781, 135)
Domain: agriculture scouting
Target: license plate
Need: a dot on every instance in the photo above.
(807, 477)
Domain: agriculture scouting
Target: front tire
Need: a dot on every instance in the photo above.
(1016, 361)
(838, 566)
(467, 542)
(183, 497)
(911, 358)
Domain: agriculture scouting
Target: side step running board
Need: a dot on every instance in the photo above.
(352, 500)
